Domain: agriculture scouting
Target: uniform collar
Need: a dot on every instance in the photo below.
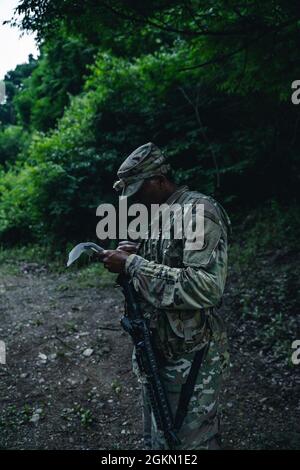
(175, 196)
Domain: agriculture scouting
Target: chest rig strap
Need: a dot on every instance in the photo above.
(187, 389)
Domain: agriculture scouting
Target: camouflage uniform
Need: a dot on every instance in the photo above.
(179, 290)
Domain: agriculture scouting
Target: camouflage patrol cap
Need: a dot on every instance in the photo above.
(144, 162)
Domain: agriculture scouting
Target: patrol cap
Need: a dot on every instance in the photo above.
(144, 162)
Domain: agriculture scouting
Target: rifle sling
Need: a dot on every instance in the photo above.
(187, 389)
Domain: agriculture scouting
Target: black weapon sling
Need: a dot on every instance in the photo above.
(188, 387)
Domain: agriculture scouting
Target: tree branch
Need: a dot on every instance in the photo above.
(185, 32)
(201, 128)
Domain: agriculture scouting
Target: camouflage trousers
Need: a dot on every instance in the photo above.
(200, 428)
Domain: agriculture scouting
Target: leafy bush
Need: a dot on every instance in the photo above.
(209, 132)
(13, 141)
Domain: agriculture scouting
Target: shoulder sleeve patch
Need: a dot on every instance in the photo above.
(202, 257)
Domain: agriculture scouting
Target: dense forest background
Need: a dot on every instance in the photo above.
(210, 82)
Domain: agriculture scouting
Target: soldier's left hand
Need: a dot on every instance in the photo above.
(114, 260)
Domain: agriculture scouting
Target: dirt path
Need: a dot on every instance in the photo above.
(68, 382)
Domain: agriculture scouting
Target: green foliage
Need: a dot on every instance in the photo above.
(84, 415)
(267, 243)
(93, 275)
(228, 127)
(23, 199)
(13, 84)
(27, 253)
(256, 41)
(59, 75)
(14, 141)
(271, 229)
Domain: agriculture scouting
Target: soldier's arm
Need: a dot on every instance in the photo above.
(199, 284)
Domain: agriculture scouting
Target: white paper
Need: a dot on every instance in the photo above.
(87, 247)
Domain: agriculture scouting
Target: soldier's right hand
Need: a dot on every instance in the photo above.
(128, 246)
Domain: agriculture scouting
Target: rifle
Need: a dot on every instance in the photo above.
(137, 327)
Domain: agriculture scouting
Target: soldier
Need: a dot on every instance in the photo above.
(179, 291)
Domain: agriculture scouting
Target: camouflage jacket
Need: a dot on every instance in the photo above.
(178, 288)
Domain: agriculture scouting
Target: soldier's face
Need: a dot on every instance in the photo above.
(153, 191)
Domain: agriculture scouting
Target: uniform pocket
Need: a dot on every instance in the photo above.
(181, 332)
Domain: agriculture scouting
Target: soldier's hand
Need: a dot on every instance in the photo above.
(114, 260)
(128, 246)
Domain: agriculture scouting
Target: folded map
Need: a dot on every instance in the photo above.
(87, 247)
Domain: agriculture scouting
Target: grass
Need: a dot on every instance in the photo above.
(94, 275)
(266, 230)
(83, 274)
(265, 271)
(84, 415)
